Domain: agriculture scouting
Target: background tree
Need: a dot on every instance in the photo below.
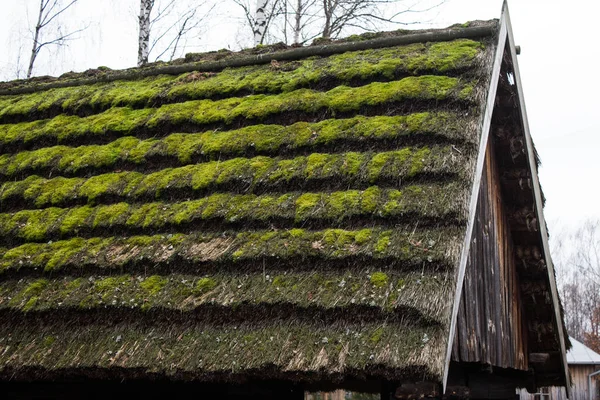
(592, 338)
(165, 26)
(258, 16)
(577, 260)
(301, 18)
(260, 24)
(366, 15)
(308, 19)
(48, 21)
(144, 31)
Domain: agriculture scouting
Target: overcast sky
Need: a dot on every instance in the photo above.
(559, 64)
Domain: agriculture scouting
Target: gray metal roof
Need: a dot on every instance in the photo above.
(581, 354)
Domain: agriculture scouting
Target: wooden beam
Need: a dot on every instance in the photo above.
(529, 253)
(419, 390)
(538, 358)
(484, 385)
(457, 393)
(523, 219)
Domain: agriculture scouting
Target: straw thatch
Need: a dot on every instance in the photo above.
(298, 220)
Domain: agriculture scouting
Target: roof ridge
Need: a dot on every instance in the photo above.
(440, 35)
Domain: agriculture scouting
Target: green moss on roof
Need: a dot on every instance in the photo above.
(364, 65)
(125, 121)
(197, 350)
(445, 203)
(27, 296)
(264, 171)
(325, 290)
(264, 139)
(380, 279)
(407, 247)
(200, 202)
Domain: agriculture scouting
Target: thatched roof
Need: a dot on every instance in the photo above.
(276, 213)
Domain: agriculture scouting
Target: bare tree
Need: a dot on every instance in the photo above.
(260, 21)
(48, 14)
(577, 260)
(308, 19)
(301, 17)
(367, 15)
(260, 18)
(164, 26)
(577, 312)
(587, 253)
(592, 338)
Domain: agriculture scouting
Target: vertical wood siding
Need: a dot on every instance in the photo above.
(490, 328)
(579, 375)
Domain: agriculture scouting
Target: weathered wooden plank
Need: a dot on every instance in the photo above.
(490, 328)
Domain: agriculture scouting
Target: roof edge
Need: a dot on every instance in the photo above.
(441, 35)
(539, 208)
(483, 141)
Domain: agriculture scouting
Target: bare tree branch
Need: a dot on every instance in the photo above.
(167, 26)
(261, 18)
(307, 19)
(577, 260)
(49, 17)
(48, 12)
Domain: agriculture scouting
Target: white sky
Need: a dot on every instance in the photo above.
(559, 64)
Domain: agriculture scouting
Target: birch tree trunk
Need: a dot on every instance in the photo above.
(298, 20)
(144, 32)
(260, 21)
(34, 48)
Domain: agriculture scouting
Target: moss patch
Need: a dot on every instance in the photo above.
(248, 172)
(126, 121)
(204, 285)
(442, 57)
(379, 279)
(153, 285)
(26, 296)
(185, 293)
(415, 201)
(294, 245)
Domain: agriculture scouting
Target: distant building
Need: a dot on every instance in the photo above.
(583, 364)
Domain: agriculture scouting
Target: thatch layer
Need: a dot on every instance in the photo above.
(398, 247)
(184, 148)
(288, 351)
(257, 174)
(339, 69)
(440, 204)
(197, 114)
(300, 220)
(413, 295)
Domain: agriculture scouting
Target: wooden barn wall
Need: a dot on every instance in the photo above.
(490, 328)
(547, 393)
(579, 390)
